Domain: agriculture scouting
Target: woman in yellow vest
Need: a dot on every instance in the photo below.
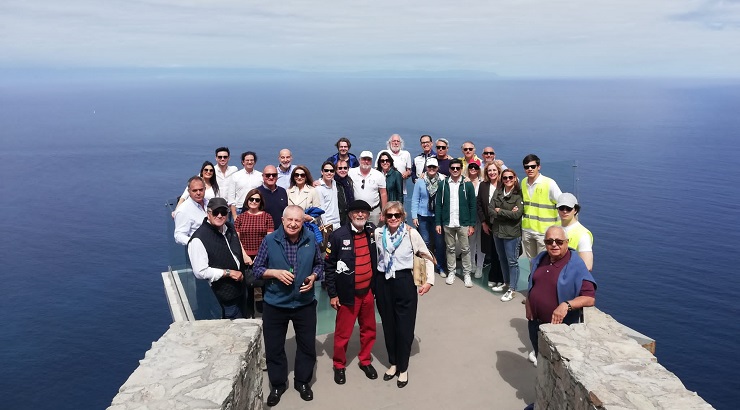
(579, 238)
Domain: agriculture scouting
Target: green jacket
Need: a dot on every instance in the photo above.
(394, 185)
(466, 202)
(506, 224)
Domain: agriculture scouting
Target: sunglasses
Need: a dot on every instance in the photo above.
(395, 215)
(530, 166)
(342, 168)
(432, 166)
(564, 208)
(363, 184)
(272, 175)
(222, 156)
(471, 167)
(551, 242)
(208, 170)
(489, 153)
(328, 170)
(258, 199)
(468, 149)
(219, 212)
(299, 175)
(455, 168)
(507, 177)
(385, 160)
(441, 147)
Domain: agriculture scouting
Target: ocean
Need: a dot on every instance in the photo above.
(85, 235)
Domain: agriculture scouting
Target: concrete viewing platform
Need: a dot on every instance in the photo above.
(470, 352)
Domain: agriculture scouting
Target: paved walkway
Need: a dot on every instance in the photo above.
(470, 353)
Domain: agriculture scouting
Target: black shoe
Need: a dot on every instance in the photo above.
(387, 377)
(305, 391)
(339, 377)
(369, 371)
(274, 398)
(401, 384)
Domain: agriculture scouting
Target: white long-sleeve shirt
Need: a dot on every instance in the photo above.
(188, 217)
(199, 260)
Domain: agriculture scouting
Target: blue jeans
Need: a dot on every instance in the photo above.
(508, 256)
(427, 231)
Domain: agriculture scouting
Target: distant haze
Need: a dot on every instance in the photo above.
(510, 38)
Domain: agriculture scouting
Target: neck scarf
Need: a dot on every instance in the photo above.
(390, 242)
(431, 184)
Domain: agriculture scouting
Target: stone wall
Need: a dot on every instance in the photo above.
(209, 364)
(598, 365)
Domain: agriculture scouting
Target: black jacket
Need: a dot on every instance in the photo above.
(342, 248)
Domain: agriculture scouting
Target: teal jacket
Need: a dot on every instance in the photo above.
(466, 201)
(277, 293)
(394, 185)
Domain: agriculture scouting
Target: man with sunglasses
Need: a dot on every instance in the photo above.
(419, 166)
(275, 197)
(242, 182)
(216, 255)
(455, 214)
(560, 285)
(329, 195)
(224, 170)
(489, 156)
(351, 264)
(468, 150)
(540, 195)
(369, 185)
(443, 158)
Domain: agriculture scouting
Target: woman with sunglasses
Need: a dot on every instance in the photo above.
(507, 209)
(301, 191)
(252, 225)
(208, 173)
(483, 200)
(579, 238)
(476, 250)
(395, 291)
(393, 178)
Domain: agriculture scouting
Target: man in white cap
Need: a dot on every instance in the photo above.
(369, 185)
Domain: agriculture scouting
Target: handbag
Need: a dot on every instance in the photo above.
(420, 266)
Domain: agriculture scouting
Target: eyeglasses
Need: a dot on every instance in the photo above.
(551, 242)
(222, 156)
(299, 175)
(441, 147)
(220, 212)
(564, 208)
(468, 149)
(257, 199)
(455, 168)
(208, 170)
(507, 177)
(342, 168)
(426, 142)
(489, 153)
(530, 166)
(385, 160)
(271, 175)
(394, 215)
(328, 170)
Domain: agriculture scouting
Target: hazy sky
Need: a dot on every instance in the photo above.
(508, 37)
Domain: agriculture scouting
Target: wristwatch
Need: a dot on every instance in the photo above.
(570, 308)
(227, 272)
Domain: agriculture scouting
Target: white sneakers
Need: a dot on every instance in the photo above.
(450, 279)
(491, 284)
(478, 273)
(468, 281)
(532, 358)
(508, 295)
(499, 287)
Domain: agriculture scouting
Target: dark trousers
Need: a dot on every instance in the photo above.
(397, 301)
(233, 309)
(534, 328)
(275, 321)
(494, 274)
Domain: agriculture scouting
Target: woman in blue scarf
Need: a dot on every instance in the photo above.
(395, 291)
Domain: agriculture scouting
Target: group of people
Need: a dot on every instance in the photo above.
(253, 236)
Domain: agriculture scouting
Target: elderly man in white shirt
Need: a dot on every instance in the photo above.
(369, 185)
(190, 214)
(242, 182)
(401, 158)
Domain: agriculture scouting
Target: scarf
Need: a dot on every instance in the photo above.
(432, 184)
(390, 242)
